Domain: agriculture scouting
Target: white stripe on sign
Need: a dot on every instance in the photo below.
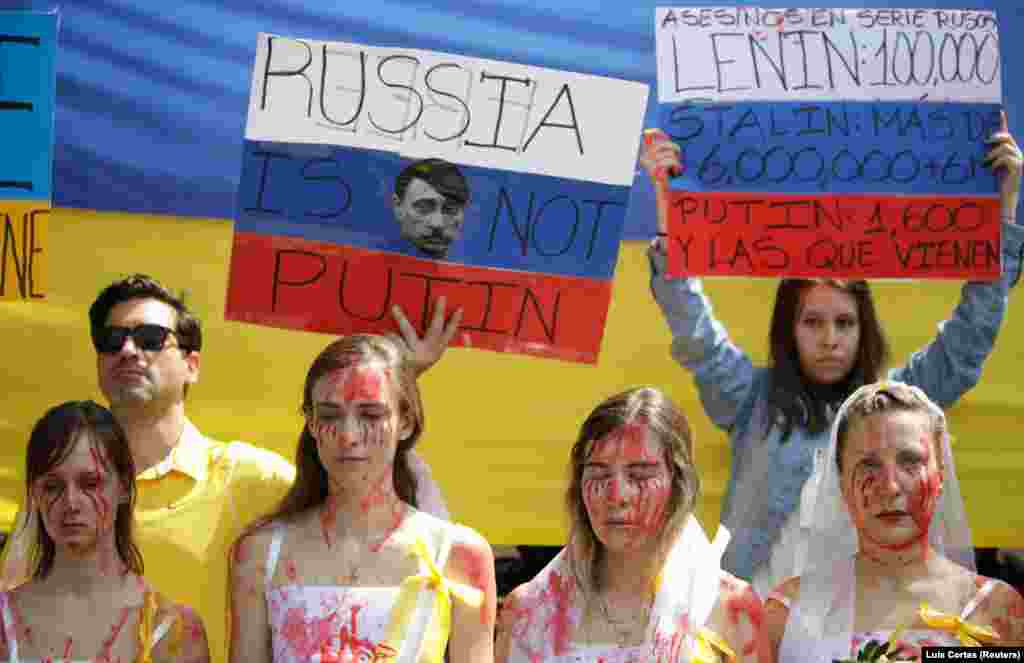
(426, 104)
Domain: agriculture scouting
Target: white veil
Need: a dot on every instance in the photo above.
(551, 605)
(820, 621)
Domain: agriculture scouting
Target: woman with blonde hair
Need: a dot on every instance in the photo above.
(890, 559)
(639, 579)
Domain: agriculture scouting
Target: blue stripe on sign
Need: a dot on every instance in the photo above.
(834, 147)
(518, 221)
(28, 42)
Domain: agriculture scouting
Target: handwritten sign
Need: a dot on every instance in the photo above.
(750, 53)
(502, 186)
(28, 44)
(831, 142)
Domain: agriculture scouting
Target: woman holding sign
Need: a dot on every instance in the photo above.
(86, 599)
(347, 569)
(888, 529)
(825, 342)
(639, 580)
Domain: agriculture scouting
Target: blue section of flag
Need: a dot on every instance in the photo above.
(513, 220)
(835, 147)
(28, 44)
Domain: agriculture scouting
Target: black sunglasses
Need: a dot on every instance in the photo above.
(150, 338)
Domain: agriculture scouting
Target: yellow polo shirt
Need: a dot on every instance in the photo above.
(189, 510)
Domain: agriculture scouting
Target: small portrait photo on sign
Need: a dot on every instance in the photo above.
(429, 200)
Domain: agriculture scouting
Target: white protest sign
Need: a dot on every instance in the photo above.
(427, 104)
(756, 54)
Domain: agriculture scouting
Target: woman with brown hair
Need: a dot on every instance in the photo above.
(825, 342)
(639, 579)
(348, 568)
(87, 599)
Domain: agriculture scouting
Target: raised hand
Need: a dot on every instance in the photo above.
(1004, 157)
(425, 352)
(660, 157)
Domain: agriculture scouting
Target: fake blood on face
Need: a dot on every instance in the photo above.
(895, 484)
(626, 486)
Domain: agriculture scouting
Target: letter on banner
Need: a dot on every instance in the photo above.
(380, 176)
(831, 142)
(28, 45)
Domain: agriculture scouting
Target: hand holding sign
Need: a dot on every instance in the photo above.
(660, 157)
(850, 166)
(1004, 158)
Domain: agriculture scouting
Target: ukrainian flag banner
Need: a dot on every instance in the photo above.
(28, 46)
(831, 142)
(379, 176)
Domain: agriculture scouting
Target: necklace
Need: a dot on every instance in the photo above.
(623, 635)
(352, 577)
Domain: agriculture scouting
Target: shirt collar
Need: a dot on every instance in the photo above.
(190, 456)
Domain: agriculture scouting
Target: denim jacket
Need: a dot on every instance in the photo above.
(734, 392)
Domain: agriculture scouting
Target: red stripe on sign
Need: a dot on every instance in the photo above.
(314, 286)
(921, 237)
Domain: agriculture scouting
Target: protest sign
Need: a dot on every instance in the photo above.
(831, 142)
(28, 44)
(376, 176)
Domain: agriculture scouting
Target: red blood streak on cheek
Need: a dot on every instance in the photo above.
(654, 503)
(100, 501)
(480, 574)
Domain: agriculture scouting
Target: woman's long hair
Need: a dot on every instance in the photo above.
(52, 440)
(311, 481)
(793, 400)
(670, 427)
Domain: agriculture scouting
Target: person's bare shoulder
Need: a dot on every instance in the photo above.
(184, 639)
(249, 552)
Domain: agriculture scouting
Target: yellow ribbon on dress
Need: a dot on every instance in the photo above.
(435, 634)
(969, 634)
(707, 642)
(146, 628)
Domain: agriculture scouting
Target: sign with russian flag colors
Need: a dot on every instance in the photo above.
(831, 142)
(379, 176)
(28, 46)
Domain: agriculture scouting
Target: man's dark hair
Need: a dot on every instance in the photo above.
(140, 286)
(438, 173)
